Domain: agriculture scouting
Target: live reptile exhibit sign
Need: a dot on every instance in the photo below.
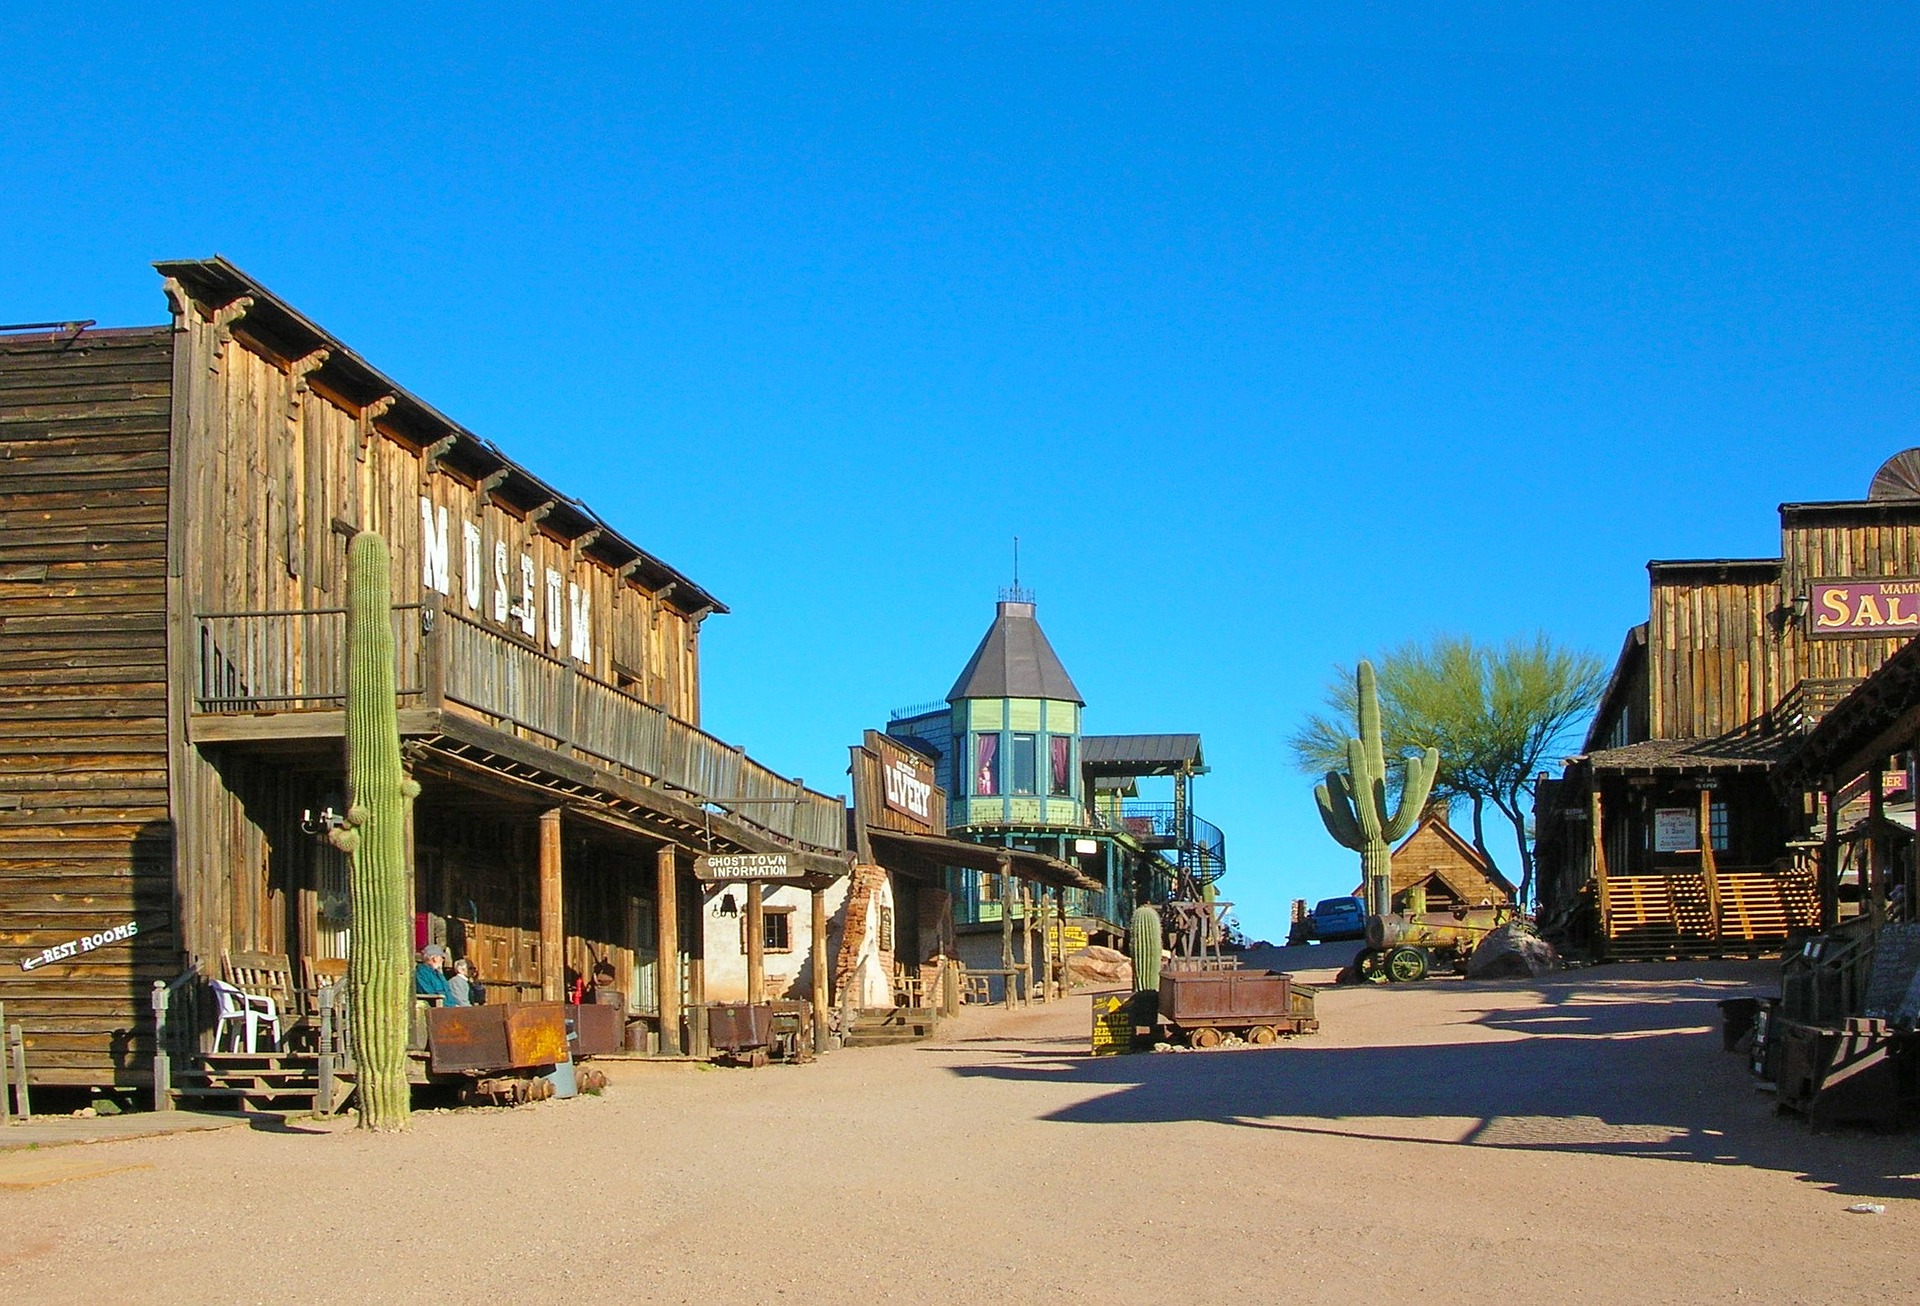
(1864, 607)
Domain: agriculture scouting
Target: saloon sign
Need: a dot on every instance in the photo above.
(1864, 607)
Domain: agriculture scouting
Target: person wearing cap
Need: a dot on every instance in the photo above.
(430, 977)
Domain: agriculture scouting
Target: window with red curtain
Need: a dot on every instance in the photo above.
(1062, 748)
(986, 768)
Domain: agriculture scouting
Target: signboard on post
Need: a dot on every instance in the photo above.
(1676, 830)
(738, 868)
(1839, 608)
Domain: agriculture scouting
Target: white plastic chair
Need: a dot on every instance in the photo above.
(243, 1014)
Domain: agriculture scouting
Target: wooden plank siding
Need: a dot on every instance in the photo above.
(85, 840)
(1711, 661)
(1822, 541)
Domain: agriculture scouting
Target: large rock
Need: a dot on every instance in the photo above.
(1096, 965)
(1509, 953)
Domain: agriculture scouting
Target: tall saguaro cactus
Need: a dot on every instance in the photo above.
(381, 794)
(1354, 806)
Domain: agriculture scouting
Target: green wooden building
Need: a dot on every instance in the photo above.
(1020, 772)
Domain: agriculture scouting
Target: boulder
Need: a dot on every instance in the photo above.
(1509, 953)
(1097, 965)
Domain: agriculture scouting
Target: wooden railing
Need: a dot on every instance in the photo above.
(294, 661)
(1801, 708)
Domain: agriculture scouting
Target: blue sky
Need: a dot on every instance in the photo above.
(1278, 334)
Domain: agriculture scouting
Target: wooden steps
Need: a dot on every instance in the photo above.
(1674, 915)
(261, 1081)
(873, 1029)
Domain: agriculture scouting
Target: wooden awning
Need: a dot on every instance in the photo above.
(982, 857)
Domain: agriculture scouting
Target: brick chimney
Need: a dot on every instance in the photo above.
(1436, 812)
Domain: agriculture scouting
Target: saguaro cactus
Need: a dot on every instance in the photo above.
(1145, 943)
(1354, 806)
(381, 794)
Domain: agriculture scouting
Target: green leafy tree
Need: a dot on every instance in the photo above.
(1497, 714)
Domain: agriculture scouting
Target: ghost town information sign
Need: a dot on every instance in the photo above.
(738, 868)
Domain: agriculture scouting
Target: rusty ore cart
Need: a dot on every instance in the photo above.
(1201, 1007)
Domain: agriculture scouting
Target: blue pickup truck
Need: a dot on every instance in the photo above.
(1335, 919)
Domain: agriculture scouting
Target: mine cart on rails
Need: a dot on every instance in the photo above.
(1205, 997)
(1407, 946)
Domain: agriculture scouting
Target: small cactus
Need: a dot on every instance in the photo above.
(1354, 806)
(1146, 945)
(380, 798)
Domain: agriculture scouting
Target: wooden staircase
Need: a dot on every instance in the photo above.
(875, 1029)
(1674, 915)
(261, 1081)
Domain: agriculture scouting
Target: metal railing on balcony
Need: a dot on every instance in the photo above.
(1199, 847)
(291, 661)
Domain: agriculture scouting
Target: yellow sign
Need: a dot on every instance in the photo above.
(1068, 939)
(1112, 1025)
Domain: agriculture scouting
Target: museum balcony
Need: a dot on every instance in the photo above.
(279, 677)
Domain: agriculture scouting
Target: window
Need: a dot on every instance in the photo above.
(1062, 769)
(1026, 775)
(776, 930)
(1717, 826)
(986, 768)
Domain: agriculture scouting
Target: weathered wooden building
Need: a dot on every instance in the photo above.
(175, 504)
(1444, 869)
(1664, 834)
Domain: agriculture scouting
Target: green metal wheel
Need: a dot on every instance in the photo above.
(1406, 965)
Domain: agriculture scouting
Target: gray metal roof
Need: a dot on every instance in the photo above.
(1014, 660)
(1133, 755)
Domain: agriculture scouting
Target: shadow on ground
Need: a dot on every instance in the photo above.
(1598, 1069)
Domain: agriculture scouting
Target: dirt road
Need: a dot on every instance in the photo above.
(1580, 1140)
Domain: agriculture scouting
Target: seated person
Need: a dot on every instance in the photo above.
(429, 977)
(464, 984)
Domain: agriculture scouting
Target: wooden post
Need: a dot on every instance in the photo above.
(323, 1100)
(162, 1054)
(1046, 943)
(1830, 860)
(22, 1100)
(1026, 944)
(433, 651)
(756, 942)
(1060, 907)
(666, 914)
(697, 1044)
(1598, 852)
(553, 983)
(817, 960)
(1876, 875)
(1709, 868)
(1006, 934)
(6, 1107)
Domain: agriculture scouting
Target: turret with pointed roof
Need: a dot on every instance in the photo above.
(1014, 660)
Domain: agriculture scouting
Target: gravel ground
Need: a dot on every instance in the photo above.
(1577, 1140)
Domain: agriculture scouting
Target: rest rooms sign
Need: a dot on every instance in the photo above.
(1864, 607)
(735, 868)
